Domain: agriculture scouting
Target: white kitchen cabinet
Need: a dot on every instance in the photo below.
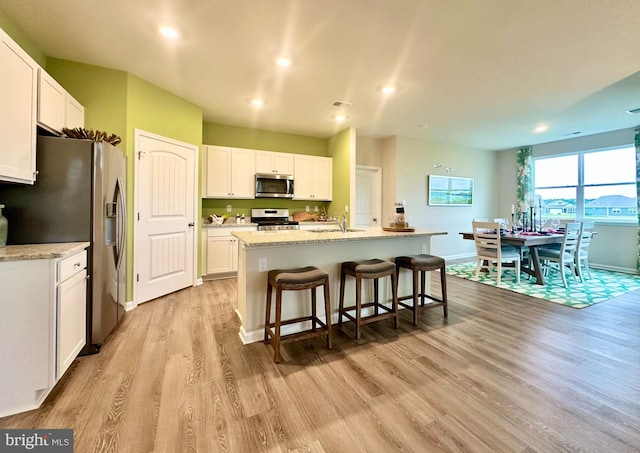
(73, 113)
(71, 308)
(220, 251)
(18, 114)
(313, 178)
(276, 163)
(51, 102)
(56, 107)
(229, 172)
(43, 314)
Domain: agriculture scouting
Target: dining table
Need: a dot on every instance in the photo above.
(532, 240)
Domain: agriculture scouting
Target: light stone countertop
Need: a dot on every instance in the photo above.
(293, 237)
(41, 251)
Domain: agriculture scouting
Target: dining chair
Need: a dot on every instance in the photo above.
(489, 249)
(563, 257)
(582, 250)
(524, 251)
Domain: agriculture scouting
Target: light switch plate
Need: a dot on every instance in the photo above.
(262, 265)
(229, 208)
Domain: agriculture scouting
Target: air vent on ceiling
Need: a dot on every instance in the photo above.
(341, 104)
(633, 111)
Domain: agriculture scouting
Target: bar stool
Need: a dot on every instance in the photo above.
(419, 265)
(294, 280)
(367, 270)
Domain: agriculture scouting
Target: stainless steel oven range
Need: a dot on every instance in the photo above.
(273, 219)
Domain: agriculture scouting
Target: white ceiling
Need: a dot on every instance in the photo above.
(479, 73)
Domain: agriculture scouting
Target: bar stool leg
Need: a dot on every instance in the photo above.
(341, 306)
(416, 295)
(276, 336)
(423, 276)
(268, 314)
(313, 309)
(327, 313)
(358, 305)
(394, 295)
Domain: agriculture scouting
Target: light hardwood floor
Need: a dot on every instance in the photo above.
(505, 373)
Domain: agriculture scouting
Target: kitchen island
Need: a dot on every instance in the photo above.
(262, 251)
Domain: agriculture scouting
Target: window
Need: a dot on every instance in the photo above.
(590, 185)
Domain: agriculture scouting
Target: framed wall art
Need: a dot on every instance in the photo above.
(450, 191)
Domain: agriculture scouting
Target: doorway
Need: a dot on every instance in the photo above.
(165, 227)
(368, 196)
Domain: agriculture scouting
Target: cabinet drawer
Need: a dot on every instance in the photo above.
(71, 265)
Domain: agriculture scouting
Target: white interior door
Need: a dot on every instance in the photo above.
(165, 225)
(368, 196)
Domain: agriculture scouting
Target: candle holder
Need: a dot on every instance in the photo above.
(513, 223)
(532, 217)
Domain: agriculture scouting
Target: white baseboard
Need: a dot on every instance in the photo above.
(624, 270)
(199, 282)
(128, 306)
(460, 256)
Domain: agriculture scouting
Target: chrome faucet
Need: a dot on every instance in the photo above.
(343, 223)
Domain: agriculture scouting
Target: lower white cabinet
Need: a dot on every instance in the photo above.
(71, 308)
(43, 313)
(220, 250)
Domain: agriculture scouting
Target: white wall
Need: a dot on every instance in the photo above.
(615, 245)
(368, 151)
(407, 162)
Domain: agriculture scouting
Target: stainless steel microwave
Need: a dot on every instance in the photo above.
(274, 186)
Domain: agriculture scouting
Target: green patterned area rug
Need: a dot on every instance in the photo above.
(603, 285)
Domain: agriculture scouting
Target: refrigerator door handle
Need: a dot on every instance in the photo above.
(121, 229)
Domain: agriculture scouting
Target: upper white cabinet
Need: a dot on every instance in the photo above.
(51, 102)
(57, 108)
(277, 163)
(73, 113)
(18, 112)
(313, 177)
(229, 172)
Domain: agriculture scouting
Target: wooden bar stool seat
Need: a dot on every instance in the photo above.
(367, 270)
(419, 265)
(295, 280)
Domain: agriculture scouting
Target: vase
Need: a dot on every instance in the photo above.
(4, 228)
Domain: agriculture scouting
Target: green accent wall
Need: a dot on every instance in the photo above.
(118, 102)
(23, 41)
(243, 137)
(340, 149)
(103, 92)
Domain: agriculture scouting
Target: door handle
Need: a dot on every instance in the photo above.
(191, 224)
(374, 219)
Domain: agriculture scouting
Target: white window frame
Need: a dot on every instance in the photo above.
(580, 187)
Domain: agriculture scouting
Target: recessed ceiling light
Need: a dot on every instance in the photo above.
(541, 128)
(257, 102)
(169, 32)
(340, 118)
(283, 61)
(388, 89)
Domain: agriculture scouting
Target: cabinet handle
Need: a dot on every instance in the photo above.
(77, 265)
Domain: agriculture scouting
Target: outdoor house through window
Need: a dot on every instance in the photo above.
(590, 185)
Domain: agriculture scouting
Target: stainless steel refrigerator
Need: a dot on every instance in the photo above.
(79, 195)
